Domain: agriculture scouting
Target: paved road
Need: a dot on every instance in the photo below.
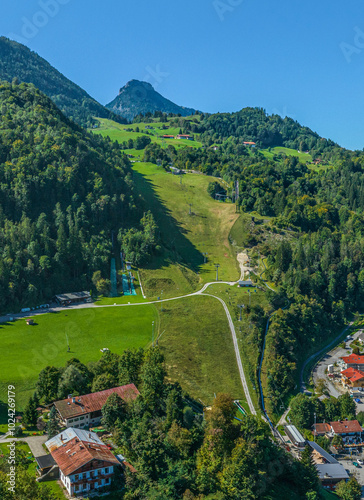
(321, 351)
(35, 443)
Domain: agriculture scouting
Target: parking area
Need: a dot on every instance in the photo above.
(357, 472)
(335, 389)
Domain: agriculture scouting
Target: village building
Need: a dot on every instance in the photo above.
(352, 377)
(321, 429)
(66, 299)
(167, 136)
(346, 428)
(185, 136)
(245, 283)
(249, 144)
(329, 470)
(85, 411)
(353, 361)
(295, 436)
(85, 463)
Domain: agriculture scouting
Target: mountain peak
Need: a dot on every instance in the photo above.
(140, 97)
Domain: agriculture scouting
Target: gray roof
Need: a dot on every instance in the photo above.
(334, 471)
(294, 434)
(73, 295)
(70, 433)
(45, 461)
(323, 453)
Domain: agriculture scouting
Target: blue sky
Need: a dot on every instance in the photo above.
(301, 59)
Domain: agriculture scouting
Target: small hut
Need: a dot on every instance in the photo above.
(29, 321)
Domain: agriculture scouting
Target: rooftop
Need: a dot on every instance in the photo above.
(353, 359)
(321, 428)
(345, 426)
(73, 296)
(326, 456)
(69, 434)
(331, 471)
(76, 453)
(45, 461)
(94, 401)
(352, 374)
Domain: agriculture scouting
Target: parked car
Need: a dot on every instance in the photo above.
(357, 400)
(356, 464)
(361, 462)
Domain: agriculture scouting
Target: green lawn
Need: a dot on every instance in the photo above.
(249, 349)
(30, 348)
(303, 157)
(199, 349)
(181, 268)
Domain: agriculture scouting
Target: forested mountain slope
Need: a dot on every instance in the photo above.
(254, 124)
(62, 192)
(17, 61)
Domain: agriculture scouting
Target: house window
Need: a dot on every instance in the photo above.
(106, 470)
(107, 481)
(79, 477)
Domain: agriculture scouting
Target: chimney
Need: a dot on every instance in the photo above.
(73, 400)
(69, 396)
(62, 438)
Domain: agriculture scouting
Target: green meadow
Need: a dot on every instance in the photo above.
(118, 132)
(31, 348)
(180, 268)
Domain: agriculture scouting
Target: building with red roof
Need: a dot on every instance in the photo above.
(346, 428)
(85, 411)
(352, 377)
(321, 429)
(354, 361)
(185, 136)
(85, 463)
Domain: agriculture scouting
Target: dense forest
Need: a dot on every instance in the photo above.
(17, 61)
(62, 192)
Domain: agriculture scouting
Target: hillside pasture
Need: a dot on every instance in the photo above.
(180, 267)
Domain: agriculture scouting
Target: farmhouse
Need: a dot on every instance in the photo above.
(249, 144)
(185, 136)
(85, 462)
(168, 136)
(353, 361)
(352, 377)
(346, 428)
(84, 411)
(67, 299)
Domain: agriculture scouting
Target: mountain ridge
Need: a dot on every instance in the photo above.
(18, 61)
